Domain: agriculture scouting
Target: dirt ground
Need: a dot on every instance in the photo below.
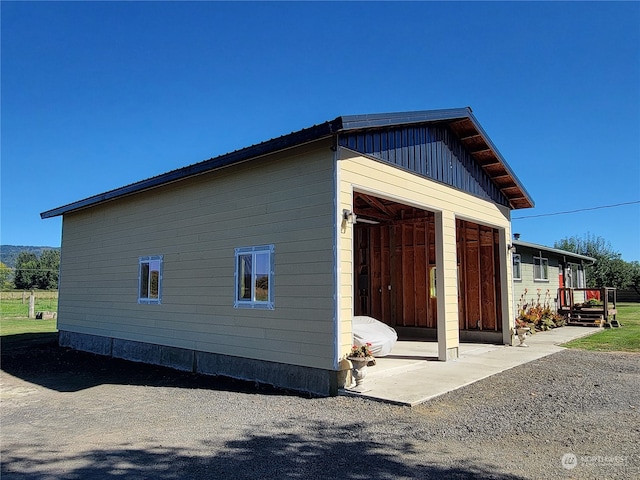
(72, 415)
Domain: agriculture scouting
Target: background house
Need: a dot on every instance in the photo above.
(253, 264)
(542, 270)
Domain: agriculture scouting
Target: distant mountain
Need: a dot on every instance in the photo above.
(9, 253)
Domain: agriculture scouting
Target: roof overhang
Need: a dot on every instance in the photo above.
(470, 134)
(557, 251)
(460, 120)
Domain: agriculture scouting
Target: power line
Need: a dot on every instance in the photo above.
(576, 211)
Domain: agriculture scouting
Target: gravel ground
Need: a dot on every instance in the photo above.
(71, 415)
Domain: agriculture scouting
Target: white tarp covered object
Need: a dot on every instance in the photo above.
(369, 330)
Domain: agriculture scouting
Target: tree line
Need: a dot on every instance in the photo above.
(32, 271)
(609, 269)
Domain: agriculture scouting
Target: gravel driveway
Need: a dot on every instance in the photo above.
(71, 415)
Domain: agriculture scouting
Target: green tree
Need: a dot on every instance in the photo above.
(27, 266)
(635, 276)
(33, 272)
(609, 270)
(48, 270)
(5, 275)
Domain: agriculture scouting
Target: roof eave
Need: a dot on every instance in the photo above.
(565, 253)
(514, 191)
(317, 132)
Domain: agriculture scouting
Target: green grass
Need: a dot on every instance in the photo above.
(16, 326)
(12, 304)
(623, 339)
(14, 314)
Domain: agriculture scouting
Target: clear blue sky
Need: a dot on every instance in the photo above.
(99, 95)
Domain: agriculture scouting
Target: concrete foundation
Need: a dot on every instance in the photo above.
(293, 377)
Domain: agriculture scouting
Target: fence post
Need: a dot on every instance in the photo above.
(32, 306)
(23, 296)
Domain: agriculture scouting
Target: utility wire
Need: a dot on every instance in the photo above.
(575, 211)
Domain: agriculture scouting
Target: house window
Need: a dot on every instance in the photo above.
(254, 277)
(575, 276)
(540, 268)
(517, 270)
(150, 279)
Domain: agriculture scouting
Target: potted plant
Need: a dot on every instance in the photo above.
(522, 328)
(360, 356)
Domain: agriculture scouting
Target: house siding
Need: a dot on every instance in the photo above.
(286, 200)
(368, 175)
(527, 288)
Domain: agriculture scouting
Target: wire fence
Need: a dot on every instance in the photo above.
(15, 303)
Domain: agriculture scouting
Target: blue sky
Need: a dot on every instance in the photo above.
(99, 95)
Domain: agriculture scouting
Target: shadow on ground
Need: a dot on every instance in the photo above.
(327, 452)
(37, 358)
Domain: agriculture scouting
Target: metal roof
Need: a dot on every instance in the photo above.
(460, 120)
(565, 253)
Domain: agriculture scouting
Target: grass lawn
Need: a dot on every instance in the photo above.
(16, 328)
(623, 339)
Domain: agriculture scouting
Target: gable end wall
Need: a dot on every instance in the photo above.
(431, 151)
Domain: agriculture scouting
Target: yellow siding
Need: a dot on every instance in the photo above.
(285, 200)
(364, 174)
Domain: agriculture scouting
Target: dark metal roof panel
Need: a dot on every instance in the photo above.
(276, 144)
(346, 123)
(430, 150)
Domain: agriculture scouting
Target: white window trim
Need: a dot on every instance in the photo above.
(148, 259)
(579, 280)
(519, 258)
(253, 303)
(542, 260)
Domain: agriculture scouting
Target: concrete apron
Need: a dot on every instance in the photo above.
(412, 374)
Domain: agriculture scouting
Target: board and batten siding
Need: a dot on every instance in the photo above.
(285, 199)
(367, 175)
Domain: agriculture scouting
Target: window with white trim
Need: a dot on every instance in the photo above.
(150, 279)
(575, 276)
(517, 267)
(540, 268)
(254, 272)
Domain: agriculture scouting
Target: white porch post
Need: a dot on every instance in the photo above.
(447, 286)
(506, 283)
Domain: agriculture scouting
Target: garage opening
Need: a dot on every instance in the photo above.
(395, 262)
(479, 287)
(395, 271)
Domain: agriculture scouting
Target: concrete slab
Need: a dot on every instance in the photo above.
(412, 374)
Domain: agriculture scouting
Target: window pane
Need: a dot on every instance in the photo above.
(144, 280)
(244, 277)
(154, 281)
(153, 286)
(262, 277)
(516, 267)
(540, 268)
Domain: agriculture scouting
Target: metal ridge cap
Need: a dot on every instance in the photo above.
(350, 122)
